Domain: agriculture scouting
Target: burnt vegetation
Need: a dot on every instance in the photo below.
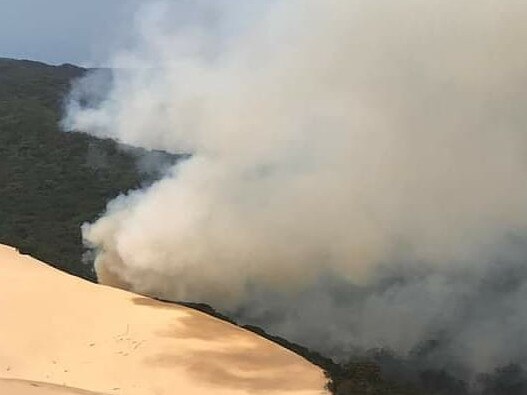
(52, 182)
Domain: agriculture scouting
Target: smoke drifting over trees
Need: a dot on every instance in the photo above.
(357, 178)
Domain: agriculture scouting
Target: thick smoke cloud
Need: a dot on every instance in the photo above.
(357, 178)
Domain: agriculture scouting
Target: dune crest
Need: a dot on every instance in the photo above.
(62, 335)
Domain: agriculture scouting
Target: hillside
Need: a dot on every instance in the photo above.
(51, 182)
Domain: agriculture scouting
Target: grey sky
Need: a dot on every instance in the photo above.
(60, 31)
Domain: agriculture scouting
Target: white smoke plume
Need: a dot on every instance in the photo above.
(358, 176)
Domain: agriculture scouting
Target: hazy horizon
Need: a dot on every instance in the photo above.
(62, 31)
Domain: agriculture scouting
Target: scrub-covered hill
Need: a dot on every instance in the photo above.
(51, 182)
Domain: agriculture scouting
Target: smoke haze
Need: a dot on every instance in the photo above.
(357, 178)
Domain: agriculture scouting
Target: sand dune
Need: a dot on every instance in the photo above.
(61, 335)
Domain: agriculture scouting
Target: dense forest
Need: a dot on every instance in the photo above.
(50, 181)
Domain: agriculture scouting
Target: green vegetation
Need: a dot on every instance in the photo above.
(49, 181)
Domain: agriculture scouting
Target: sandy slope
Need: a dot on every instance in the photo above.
(26, 387)
(61, 335)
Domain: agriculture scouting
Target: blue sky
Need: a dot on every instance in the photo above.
(63, 31)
